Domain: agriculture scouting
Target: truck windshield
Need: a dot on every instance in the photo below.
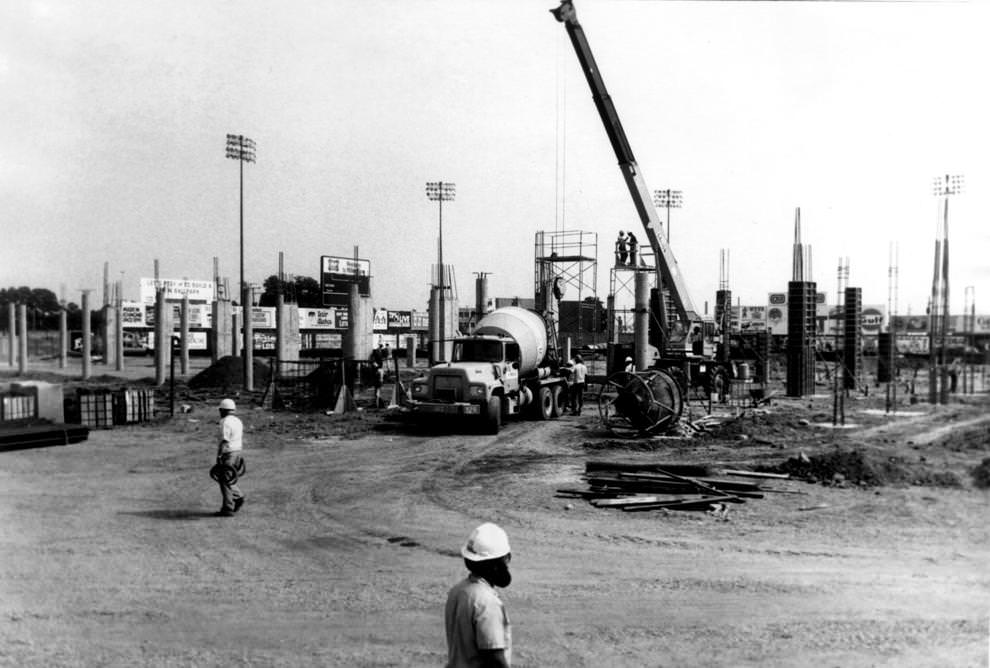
(478, 351)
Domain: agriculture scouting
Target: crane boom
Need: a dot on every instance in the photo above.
(668, 273)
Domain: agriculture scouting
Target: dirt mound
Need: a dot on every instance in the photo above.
(981, 474)
(228, 372)
(854, 467)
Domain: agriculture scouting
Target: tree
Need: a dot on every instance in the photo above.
(42, 305)
(302, 290)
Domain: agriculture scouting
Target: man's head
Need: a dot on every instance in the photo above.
(227, 407)
(487, 554)
(577, 359)
(621, 233)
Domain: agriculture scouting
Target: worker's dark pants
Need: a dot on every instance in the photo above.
(232, 492)
(578, 400)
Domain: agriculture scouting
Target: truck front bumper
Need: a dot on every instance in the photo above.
(431, 408)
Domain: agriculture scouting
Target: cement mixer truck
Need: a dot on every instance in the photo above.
(505, 368)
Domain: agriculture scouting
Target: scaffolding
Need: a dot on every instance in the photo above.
(622, 295)
(572, 257)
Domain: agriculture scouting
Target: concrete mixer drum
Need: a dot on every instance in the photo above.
(638, 404)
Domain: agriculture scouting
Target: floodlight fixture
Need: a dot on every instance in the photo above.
(668, 199)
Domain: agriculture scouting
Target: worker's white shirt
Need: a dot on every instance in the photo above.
(232, 431)
(580, 372)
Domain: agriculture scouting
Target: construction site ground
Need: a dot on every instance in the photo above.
(349, 540)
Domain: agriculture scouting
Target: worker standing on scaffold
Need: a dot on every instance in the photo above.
(620, 249)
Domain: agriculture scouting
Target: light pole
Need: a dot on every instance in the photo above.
(943, 186)
(668, 199)
(440, 192)
(241, 149)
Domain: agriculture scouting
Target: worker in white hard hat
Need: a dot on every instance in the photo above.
(630, 365)
(478, 629)
(229, 456)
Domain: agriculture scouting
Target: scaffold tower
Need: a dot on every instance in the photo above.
(572, 257)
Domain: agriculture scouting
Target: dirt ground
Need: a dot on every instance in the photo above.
(348, 543)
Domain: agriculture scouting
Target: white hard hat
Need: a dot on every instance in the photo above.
(488, 541)
(629, 359)
(227, 405)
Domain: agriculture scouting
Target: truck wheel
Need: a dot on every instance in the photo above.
(544, 403)
(557, 395)
(492, 420)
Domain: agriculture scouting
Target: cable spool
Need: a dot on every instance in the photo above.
(637, 404)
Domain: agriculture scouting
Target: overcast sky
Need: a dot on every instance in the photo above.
(113, 119)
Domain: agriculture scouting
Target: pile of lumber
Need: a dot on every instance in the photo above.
(641, 487)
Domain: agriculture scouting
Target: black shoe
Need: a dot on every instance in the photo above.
(238, 503)
(224, 512)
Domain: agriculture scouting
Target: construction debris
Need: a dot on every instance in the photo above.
(641, 487)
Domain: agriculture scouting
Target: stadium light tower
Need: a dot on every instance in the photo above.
(440, 192)
(668, 199)
(241, 149)
(943, 186)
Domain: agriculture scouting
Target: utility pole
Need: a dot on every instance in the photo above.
(242, 149)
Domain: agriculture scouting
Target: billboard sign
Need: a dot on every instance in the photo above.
(317, 318)
(380, 320)
(399, 320)
(337, 274)
(201, 291)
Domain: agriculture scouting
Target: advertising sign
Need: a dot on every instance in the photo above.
(197, 340)
(337, 274)
(317, 318)
(132, 314)
(399, 319)
(263, 317)
(748, 318)
(419, 321)
(380, 320)
(202, 291)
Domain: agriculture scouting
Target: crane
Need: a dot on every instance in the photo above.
(668, 273)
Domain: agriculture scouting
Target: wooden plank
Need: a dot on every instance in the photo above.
(625, 501)
(683, 469)
(701, 485)
(757, 474)
(681, 504)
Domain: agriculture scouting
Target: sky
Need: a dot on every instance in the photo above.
(114, 116)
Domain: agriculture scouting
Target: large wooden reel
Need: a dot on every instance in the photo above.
(640, 404)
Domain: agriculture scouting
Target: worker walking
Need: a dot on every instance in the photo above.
(476, 624)
(230, 459)
(579, 374)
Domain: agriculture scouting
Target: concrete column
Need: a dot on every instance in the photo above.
(109, 335)
(162, 338)
(248, 352)
(235, 332)
(612, 330)
(22, 339)
(641, 321)
(222, 334)
(63, 338)
(434, 326)
(288, 339)
(410, 351)
(184, 333)
(481, 297)
(87, 337)
(119, 336)
(12, 330)
(360, 322)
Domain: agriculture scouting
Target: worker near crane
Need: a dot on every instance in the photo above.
(630, 365)
(230, 461)
(476, 624)
(633, 248)
(621, 252)
(579, 374)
